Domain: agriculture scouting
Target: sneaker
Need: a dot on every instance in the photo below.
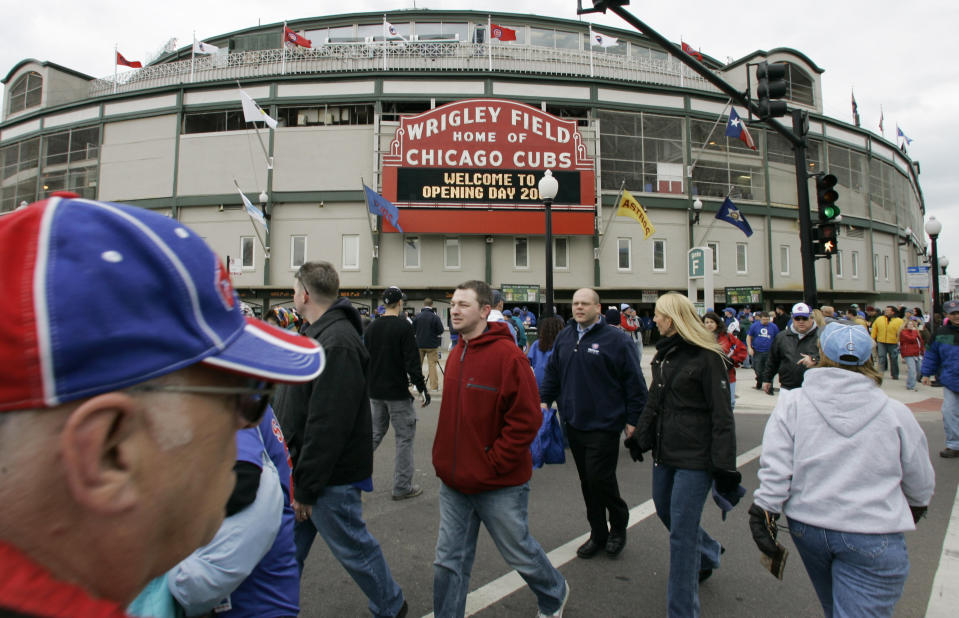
(558, 613)
(949, 453)
(414, 491)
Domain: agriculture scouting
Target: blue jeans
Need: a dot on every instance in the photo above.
(403, 417)
(504, 513)
(913, 364)
(892, 351)
(732, 395)
(853, 574)
(338, 517)
(679, 496)
(950, 417)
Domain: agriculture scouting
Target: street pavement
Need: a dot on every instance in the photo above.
(634, 584)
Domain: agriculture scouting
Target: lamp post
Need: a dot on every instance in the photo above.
(548, 188)
(694, 212)
(934, 228)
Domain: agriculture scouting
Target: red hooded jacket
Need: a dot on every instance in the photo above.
(735, 351)
(489, 415)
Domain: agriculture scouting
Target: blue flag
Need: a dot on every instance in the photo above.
(381, 206)
(729, 213)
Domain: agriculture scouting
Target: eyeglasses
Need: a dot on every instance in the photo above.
(251, 401)
(799, 318)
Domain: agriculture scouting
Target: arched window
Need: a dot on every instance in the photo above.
(25, 92)
(800, 85)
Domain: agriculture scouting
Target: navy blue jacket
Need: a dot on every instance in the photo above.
(942, 357)
(596, 383)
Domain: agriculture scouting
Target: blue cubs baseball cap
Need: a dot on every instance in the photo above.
(846, 344)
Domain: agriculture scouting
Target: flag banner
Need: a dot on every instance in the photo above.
(379, 205)
(855, 108)
(629, 206)
(902, 135)
(135, 64)
(736, 128)
(253, 112)
(392, 30)
(255, 213)
(291, 37)
(881, 118)
(604, 41)
(199, 47)
(502, 33)
(692, 52)
(730, 214)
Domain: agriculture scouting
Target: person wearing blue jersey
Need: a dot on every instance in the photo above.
(758, 342)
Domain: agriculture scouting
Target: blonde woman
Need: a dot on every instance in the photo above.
(688, 424)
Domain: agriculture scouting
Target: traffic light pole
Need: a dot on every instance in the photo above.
(800, 128)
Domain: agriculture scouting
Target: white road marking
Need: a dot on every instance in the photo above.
(500, 588)
(944, 598)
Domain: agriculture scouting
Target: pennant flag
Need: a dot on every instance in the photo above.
(855, 108)
(136, 64)
(902, 135)
(629, 206)
(604, 41)
(199, 47)
(391, 30)
(502, 33)
(730, 214)
(253, 112)
(692, 52)
(379, 205)
(737, 128)
(291, 37)
(255, 213)
(881, 117)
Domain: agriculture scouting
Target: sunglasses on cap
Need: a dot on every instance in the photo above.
(251, 400)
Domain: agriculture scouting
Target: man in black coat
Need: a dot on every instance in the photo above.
(328, 429)
(429, 336)
(794, 350)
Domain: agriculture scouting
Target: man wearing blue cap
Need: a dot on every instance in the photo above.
(942, 358)
(104, 424)
(794, 350)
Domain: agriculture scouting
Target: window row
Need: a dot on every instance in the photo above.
(298, 116)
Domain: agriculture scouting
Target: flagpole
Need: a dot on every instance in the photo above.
(266, 249)
(384, 41)
(374, 269)
(193, 57)
(710, 134)
(489, 40)
(116, 51)
(266, 155)
(591, 50)
(283, 50)
(612, 216)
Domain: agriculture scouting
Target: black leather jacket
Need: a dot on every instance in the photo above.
(784, 353)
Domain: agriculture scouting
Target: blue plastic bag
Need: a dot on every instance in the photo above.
(547, 447)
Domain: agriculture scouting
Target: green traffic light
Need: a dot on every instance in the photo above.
(830, 211)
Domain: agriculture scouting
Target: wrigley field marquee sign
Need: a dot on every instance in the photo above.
(473, 167)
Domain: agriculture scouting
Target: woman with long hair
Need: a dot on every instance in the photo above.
(734, 349)
(849, 468)
(542, 348)
(688, 423)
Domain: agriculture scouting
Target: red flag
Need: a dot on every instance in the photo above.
(133, 65)
(692, 52)
(291, 37)
(502, 33)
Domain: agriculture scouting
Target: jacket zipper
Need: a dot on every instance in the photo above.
(459, 410)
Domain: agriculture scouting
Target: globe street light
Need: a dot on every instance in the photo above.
(548, 188)
(934, 228)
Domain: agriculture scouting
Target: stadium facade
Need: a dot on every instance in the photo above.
(455, 127)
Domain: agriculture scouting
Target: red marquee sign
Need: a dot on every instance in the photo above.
(474, 166)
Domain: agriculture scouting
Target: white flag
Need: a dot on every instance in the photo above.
(254, 212)
(604, 41)
(253, 112)
(199, 47)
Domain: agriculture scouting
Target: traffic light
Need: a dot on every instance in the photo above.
(825, 242)
(825, 233)
(772, 85)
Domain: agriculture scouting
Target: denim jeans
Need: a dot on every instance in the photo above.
(892, 351)
(732, 395)
(913, 364)
(401, 413)
(504, 513)
(679, 496)
(950, 417)
(338, 517)
(759, 365)
(853, 574)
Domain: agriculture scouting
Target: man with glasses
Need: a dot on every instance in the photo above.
(105, 423)
(329, 431)
(794, 350)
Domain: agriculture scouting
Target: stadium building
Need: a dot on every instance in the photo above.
(453, 116)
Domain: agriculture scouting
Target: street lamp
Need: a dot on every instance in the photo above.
(944, 264)
(548, 188)
(697, 209)
(934, 228)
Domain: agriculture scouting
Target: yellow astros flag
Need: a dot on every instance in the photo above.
(630, 207)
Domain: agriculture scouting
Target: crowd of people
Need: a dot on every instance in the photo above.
(104, 427)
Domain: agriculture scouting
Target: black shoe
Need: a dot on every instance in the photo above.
(705, 573)
(616, 542)
(403, 610)
(589, 549)
(949, 453)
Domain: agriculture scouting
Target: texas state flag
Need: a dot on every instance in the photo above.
(737, 128)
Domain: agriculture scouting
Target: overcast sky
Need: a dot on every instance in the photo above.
(894, 54)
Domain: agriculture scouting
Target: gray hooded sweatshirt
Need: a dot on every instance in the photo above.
(840, 454)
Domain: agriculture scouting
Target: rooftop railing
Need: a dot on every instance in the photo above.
(377, 56)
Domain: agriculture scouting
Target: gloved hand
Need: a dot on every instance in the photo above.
(727, 500)
(727, 481)
(634, 449)
(762, 524)
(918, 512)
(425, 398)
